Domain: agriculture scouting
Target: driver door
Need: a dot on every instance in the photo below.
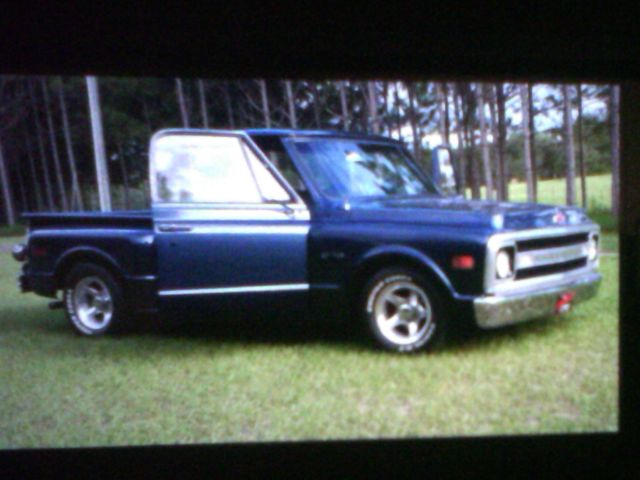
(227, 225)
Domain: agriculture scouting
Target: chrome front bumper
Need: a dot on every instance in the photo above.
(506, 309)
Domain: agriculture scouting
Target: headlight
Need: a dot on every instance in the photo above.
(592, 249)
(504, 264)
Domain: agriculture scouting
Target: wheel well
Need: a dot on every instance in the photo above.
(84, 257)
(373, 266)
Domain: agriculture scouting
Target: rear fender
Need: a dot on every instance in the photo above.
(85, 254)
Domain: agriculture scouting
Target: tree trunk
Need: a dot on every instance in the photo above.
(396, 98)
(75, 185)
(346, 120)
(43, 158)
(182, 103)
(102, 169)
(532, 135)
(471, 151)
(417, 151)
(372, 101)
(227, 103)
(462, 167)
(364, 111)
(471, 160)
(494, 141)
(524, 101)
(203, 104)
(583, 178)
(291, 104)
(614, 112)
(502, 144)
(486, 158)
(447, 123)
(147, 117)
(442, 116)
(54, 147)
(385, 109)
(125, 177)
(23, 190)
(570, 157)
(265, 103)
(316, 104)
(7, 196)
(32, 169)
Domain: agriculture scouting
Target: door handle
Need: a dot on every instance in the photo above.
(174, 228)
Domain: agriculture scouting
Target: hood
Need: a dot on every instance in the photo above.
(458, 212)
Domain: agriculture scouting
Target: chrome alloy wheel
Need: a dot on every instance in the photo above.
(92, 303)
(403, 312)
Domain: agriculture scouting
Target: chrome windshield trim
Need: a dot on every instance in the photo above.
(509, 239)
(242, 289)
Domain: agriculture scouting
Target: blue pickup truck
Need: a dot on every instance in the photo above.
(310, 218)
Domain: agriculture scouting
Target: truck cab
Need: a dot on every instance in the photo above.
(310, 218)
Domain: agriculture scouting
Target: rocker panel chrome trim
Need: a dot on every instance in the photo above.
(241, 289)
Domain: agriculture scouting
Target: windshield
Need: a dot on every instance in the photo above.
(350, 168)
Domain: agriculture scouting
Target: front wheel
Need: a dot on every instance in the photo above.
(93, 300)
(403, 310)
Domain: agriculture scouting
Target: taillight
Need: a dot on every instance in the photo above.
(38, 251)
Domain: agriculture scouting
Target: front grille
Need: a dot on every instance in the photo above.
(537, 257)
(550, 269)
(551, 242)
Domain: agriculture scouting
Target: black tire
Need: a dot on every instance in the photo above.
(94, 276)
(431, 329)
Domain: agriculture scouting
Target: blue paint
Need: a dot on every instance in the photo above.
(326, 250)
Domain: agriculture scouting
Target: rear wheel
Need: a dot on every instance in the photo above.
(93, 300)
(403, 310)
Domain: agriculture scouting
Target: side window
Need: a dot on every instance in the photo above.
(273, 149)
(209, 169)
(269, 187)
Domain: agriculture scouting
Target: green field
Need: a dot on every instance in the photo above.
(554, 192)
(249, 382)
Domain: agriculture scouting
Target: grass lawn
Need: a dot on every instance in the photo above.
(245, 383)
(554, 191)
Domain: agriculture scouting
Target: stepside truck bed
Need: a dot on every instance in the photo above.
(121, 241)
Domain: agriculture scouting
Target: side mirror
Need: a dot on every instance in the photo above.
(442, 169)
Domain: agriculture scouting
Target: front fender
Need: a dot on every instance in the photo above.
(383, 252)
